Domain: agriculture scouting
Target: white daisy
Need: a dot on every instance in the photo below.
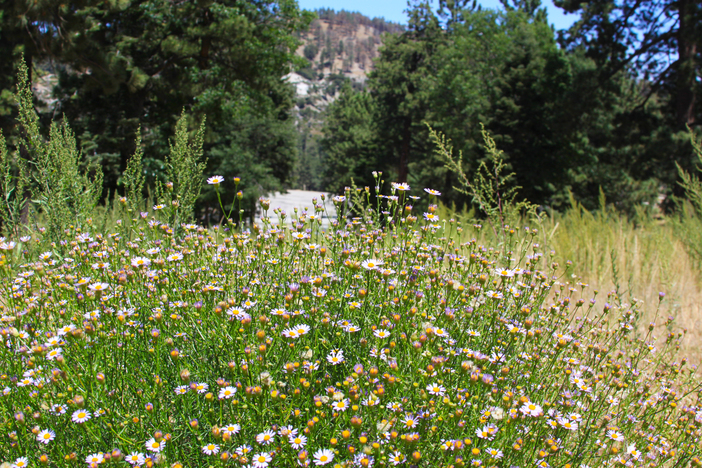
(21, 462)
(95, 458)
(45, 436)
(227, 392)
(80, 416)
(402, 187)
(140, 262)
(335, 357)
(494, 453)
(265, 437)
(152, 445)
(210, 449)
(201, 387)
(371, 264)
(297, 442)
(231, 429)
(531, 409)
(436, 389)
(261, 460)
(175, 257)
(215, 180)
(323, 456)
(53, 354)
(341, 405)
(135, 459)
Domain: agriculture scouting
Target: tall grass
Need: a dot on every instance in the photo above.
(636, 261)
(651, 260)
(643, 260)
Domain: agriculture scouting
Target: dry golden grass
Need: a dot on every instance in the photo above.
(637, 260)
(612, 253)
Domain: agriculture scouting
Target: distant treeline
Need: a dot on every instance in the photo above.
(353, 18)
(597, 110)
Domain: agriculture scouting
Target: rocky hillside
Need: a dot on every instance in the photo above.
(338, 45)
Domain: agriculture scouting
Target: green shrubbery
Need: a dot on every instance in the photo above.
(46, 177)
(47, 185)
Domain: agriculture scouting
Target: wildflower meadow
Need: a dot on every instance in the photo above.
(379, 341)
(390, 336)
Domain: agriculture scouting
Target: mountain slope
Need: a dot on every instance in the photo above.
(338, 44)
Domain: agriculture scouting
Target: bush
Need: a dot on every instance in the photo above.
(44, 179)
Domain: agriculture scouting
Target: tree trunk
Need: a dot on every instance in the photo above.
(687, 50)
(203, 59)
(404, 151)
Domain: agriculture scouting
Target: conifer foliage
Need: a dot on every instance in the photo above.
(123, 64)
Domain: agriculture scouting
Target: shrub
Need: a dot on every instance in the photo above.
(185, 164)
(45, 178)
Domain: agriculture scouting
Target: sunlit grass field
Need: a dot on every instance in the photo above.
(638, 260)
(395, 337)
(630, 260)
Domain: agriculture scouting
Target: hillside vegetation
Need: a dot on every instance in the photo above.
(343, 43)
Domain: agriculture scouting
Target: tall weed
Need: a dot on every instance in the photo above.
(49, 181)
(491, 188)
(134, 178)
(13, 184)
(185, 165)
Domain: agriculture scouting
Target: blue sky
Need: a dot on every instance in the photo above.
(393, 10)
